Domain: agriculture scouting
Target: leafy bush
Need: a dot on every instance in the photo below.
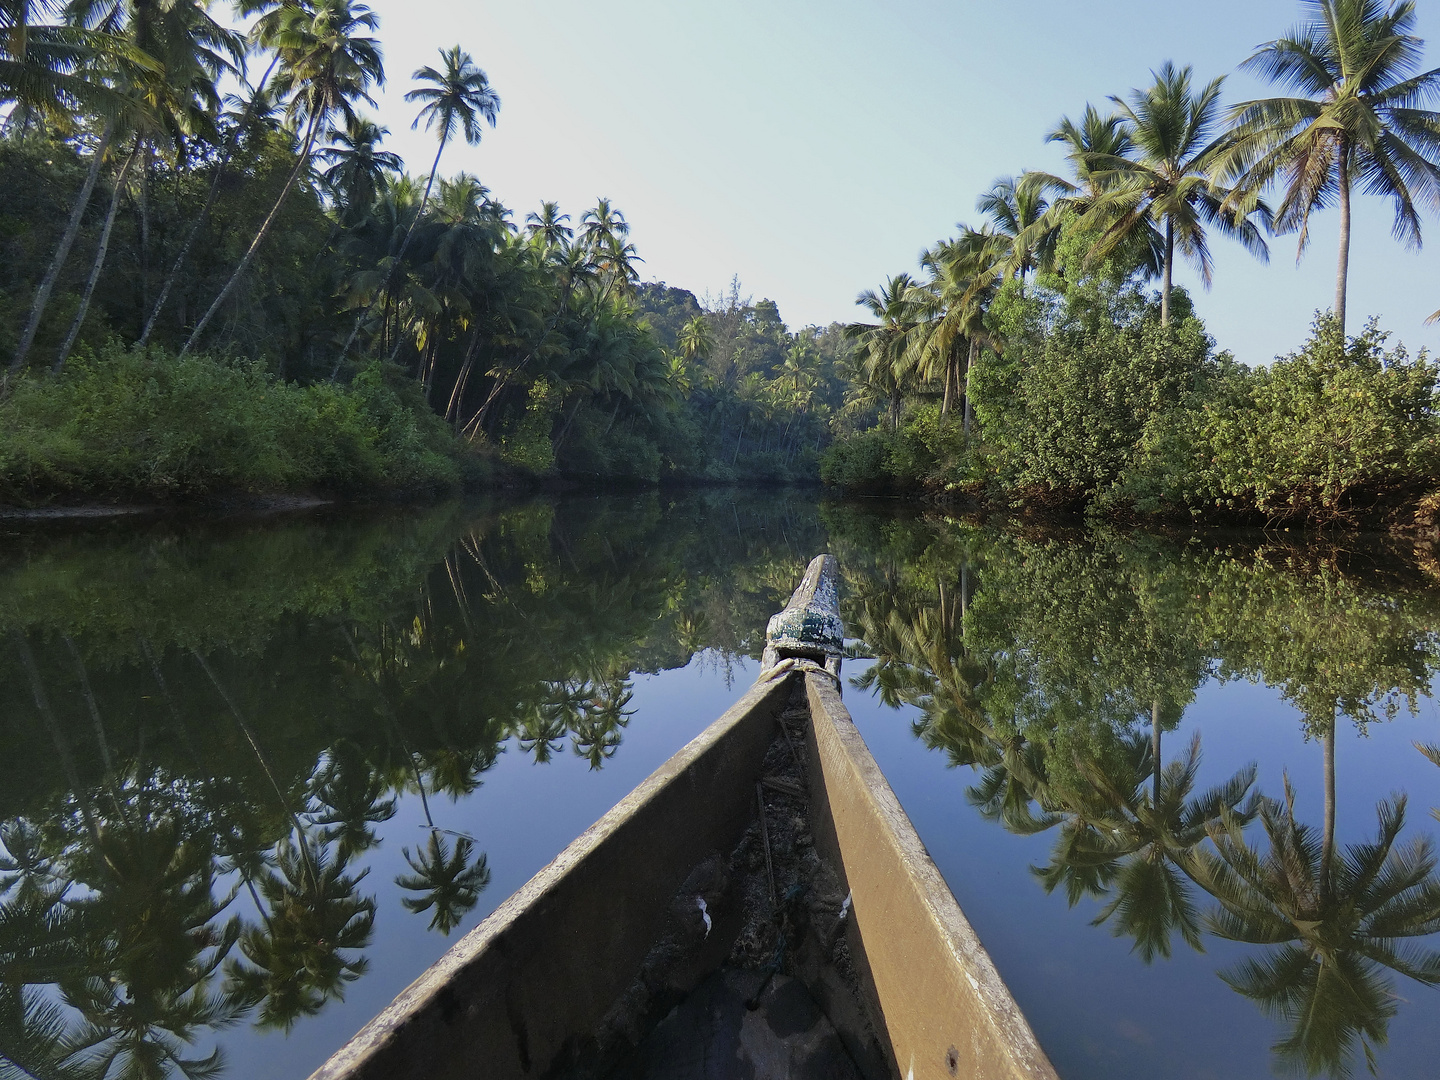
(1066, 405)
(926, 451)
(1321, 433)
(144, 423)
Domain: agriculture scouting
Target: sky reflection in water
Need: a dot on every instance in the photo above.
(181, 704)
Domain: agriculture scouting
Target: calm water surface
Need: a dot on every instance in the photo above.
(258, 775)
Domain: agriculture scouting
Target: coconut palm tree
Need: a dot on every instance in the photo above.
(883, 347)
(1016, 209)
(459, 97)
(359, 170)
(1095, 136)
(181, 101)
(1094, 140)
(450, 884)
(326, 65)
(48, 69)
(98, 263)
(1360, 118)
(696, 340)
(1334, 927)
(254, 112)
(304, 954)
(1167, 183)
(48, 64)
(951, 310)
(549, 227)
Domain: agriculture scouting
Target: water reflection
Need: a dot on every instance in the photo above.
(207, 729)
(204, 728)
(1055, 668)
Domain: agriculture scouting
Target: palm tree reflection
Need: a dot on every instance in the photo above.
(1056, 684)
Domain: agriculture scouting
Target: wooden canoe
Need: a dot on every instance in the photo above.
(523, 993)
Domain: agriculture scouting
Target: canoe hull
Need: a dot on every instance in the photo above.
(508, 1000)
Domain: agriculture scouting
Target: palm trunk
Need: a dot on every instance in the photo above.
(96, 267)
(457, 392)
(62, 751)
(969, 367)
(1342, 271)
(144, 225)
(405, 243)
(67, 241)
(1327, 845)
(204, 214)
(1166, 280)
(300, 163)
(949, 386)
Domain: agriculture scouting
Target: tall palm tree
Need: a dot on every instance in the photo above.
(326, 65)
(549, 226)
(1362, 119)
(182, 99)
(359, 170)
(48, 64)
(1145, 826)
(48, 69)
(97, 264)
(1095, 140)
(1015, 207)
(951, 309)
(253, 112)
(696, 340)
(303, 955)
(1335, 927)
(883, 347)
(459, 97)
(1167, 184)
(1095, 136)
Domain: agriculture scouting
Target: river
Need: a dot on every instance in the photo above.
(259, 773)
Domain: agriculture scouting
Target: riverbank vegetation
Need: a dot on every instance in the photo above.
(1031, 365)
(250, 293)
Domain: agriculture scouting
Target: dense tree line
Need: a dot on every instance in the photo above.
(162, 230)
(1030, 362)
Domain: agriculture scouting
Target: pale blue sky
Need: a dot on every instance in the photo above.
(814, 149)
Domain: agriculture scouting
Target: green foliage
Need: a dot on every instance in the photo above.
(1320, 435)
(1067, 402)
(927, 451)
(528, 444)
(142, 423)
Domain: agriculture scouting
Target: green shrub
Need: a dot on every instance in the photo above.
(1320, 433)
(527, 444)
(144, 423)
(926, 451)
(1065, 408)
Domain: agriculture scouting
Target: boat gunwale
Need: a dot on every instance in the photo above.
(996, 1006)
(429, 988)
